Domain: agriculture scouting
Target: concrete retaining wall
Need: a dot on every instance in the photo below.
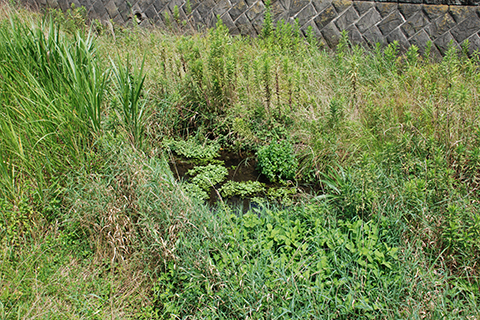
(407, 21)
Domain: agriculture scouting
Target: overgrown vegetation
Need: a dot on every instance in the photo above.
(371, 158)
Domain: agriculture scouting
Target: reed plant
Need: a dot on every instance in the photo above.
(52, 101)
(131, 105)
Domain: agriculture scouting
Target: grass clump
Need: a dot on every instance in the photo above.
(53, 91)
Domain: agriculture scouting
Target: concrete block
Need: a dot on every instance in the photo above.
(414, 24)
(306, 14)
(445, 41)
(317, 34)
(194, 4)
(99, 8)
(408, 10)
(371, 18)
(341, 5)
(286, 4)
(373, 36)
(244, 26)
(277, 10)
(228, 22)
(320, 5)
(160, 4)
(440, 26)
(354, 35)
(347, 18)
(434, 11)
(257, 9)
(296, 6)
(221, 7)
(325, 17)
(151, 13)
(467, 28)
(420, 40)
(460, 13)
(363, 7)
(331, 35)
(111, 8)
(171, 4)
(391, 22)
(386, 8)
(397, 35)
(474, 42)
(238, 9)
(257, 23)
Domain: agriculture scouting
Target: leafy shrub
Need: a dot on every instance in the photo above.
(277, 161)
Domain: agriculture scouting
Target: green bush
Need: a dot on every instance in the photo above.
(277, 161)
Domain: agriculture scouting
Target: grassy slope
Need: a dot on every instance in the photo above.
(110, 234)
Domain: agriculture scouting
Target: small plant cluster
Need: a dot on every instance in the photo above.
(207, 176)
(461, 237)
(16, 223)
(193, 149)
(195, 192)
(72, 20)
(242, 189)
(282, 195)
(277, 161)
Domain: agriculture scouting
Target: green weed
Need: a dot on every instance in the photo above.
(194, 149)
(305, 266)
(207, 176)
(241, 189)
(277, 161)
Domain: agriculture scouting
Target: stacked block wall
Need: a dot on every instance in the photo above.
(367, 22)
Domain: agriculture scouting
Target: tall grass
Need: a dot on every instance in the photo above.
(132, 106)
(52, 101)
